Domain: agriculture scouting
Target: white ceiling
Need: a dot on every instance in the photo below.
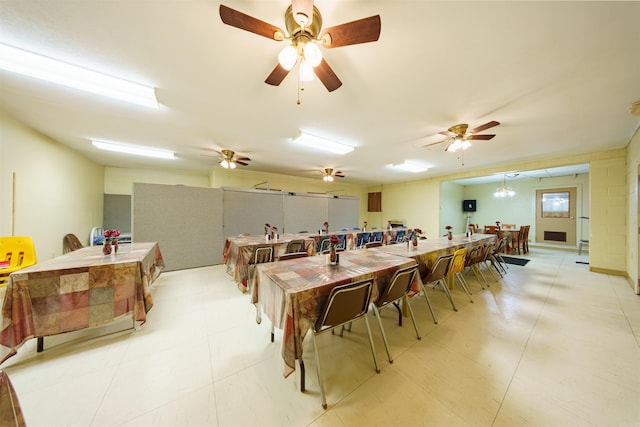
(559, 76)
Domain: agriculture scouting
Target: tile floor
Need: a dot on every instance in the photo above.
(551, 344)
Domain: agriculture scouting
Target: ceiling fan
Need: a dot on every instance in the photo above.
(304, 28)
(458, 136)
(229, 160)
(329, 174)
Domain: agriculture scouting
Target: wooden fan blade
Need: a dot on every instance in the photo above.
(435, 143)
(327, 76)
(484, 137)
(249, 23)
(361, 31)
(277, 75)
(339, 175)
(447, 133)
(484, 126)
(243, 158)
(241, 163)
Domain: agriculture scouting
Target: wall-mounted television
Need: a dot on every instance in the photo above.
(468, 205)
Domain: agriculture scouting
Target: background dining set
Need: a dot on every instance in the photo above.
(301, 293)
(517, 238)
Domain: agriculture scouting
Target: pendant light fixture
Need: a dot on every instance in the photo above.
(505, 191)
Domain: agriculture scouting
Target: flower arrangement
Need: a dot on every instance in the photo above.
(110, 238)
(389, 224)
(417, 232)
(326, 227)
(266, 229)
(334, 241)
(449, 232)
(364, 227)
(274, 231)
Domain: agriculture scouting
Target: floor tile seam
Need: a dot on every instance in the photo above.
(526, 344)
(105, 392)
(212, 377)
(624, 312)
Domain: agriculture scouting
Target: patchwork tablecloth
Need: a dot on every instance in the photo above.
(78, 290)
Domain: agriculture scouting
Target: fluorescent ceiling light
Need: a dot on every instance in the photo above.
(322, 144)
(137, 150)
(409, 167)
(44, 68)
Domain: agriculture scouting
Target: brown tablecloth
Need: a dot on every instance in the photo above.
(78, 290)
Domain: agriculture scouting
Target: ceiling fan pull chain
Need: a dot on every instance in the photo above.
(300, 87)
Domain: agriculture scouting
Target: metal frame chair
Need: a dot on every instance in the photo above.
(292, 255)
(345, 304)
(295, 246)
(457, 266)
(437, 275)
(363, 239)
(398, 289)
(71, 243)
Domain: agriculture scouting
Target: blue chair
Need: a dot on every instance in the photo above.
(356, 228)
(344, 229)
(363, 239)
(343, 242)
(376, 236)
(400, 236)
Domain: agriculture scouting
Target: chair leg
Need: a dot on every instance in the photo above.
(320, 384)
(373, 348)
(405, 300)
(384, 336)
(424, 291)
(476, 272)
(442, 283)
(463, 283)
(272, 332)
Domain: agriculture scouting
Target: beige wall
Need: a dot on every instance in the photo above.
(120, 180)
(57, 191)
(633, 207)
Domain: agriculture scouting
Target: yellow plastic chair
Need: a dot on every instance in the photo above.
(17, 252)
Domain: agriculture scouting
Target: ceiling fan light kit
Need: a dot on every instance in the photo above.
(303, 22)
(458, 136)
(229, 160)
(329, 174)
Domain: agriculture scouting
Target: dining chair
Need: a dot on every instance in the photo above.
(324, 246)
(508, 226)
(456, 267)
(376, 236)
(343, 242)
(400, 236)
(517, 240)
(398, 289)
(292, 255)
(363, 238)
(17, 252)
(345, 304)
(490, 229)
(373, 245)
(472, 262)
(525, 241)
(436, 276)
(262, 254)
(10, 410)
(71, 243)
(295, 246)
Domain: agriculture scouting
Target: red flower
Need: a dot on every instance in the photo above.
(418, 231)
(448, 227)
(326, 224)
(334, 240)
(111, 233)
(267, 225)
(274, 228)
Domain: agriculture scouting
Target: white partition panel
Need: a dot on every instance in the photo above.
(246, 211)
(304, 212)
(344, 212)
(185, 221)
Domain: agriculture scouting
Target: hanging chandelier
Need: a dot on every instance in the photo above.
(504, 191)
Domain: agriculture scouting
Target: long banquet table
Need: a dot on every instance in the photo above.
(292, 293)
(238, 252)
(78, 290)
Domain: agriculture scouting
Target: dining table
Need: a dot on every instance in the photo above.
(292, 293)
(80, 289)
(429, 250)
(238, 252)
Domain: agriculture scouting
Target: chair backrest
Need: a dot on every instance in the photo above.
(345, 303)
(508, 226)
(526, 233)
(490, 229)
(263, 254)
(373, 244)
(474, 256)
(501, 245)
(399, 285)
(295, 246)
(363, 238)
(292, 255)
(458, 261)
(376, 236)
(343, 241)
(400, 236)
(324, 245)
(18, 250)
(440, 268)
(71, 243)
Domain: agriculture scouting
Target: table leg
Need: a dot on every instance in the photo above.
(302, 375)
(40, 344)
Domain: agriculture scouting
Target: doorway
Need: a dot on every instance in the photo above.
(556, 216)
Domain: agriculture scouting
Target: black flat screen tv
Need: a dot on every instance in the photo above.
(469, 206)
